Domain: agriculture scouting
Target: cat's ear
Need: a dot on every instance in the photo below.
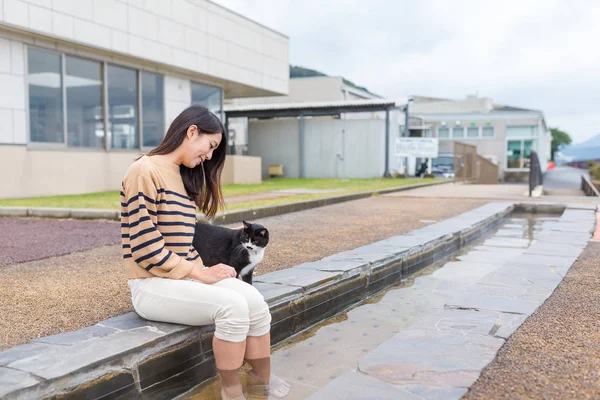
(246, 225)
(262, 232)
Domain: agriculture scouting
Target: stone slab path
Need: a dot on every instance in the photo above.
(463, 323)
(431, 337)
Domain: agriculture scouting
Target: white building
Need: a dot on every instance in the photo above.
(89, 84)
(505, 135)
(302, 90)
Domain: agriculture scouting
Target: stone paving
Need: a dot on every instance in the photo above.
(442, 354)
(432, 336)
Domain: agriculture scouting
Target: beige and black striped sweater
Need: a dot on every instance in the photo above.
(157, 221)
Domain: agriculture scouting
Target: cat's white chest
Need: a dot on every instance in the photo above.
(255, 256)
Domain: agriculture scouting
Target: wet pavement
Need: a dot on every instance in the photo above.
(431, 336)
(28, 239)
(63, 293)
(556, 352)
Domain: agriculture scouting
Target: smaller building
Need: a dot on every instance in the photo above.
(318, 140)
(302, 89)
(502, 134)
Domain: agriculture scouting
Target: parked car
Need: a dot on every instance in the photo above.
(443, 166)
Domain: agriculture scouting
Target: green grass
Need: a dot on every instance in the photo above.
(110, 200)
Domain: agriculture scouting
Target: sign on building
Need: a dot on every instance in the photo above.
(417, 147)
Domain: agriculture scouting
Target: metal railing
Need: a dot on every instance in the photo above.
(588, 187)
(536, 178)
(470, 167)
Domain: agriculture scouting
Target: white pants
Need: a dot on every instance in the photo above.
(236, 308)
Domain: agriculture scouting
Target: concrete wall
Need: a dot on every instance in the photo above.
(334, 148)
(27, 173)
(360, 145)
(241, 170)
(32, 173)
(321, 88)
(197, 36)
(276, 142)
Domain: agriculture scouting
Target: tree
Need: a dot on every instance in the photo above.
(559, 138)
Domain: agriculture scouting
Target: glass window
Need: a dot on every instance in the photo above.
(443, 133)
(45, 96)
(458, 132)
(487, 132)
(152, 109)
(85, 122)
(427, 133)
(514, 154)
(122, 107)
(208, 96)
(473, 132)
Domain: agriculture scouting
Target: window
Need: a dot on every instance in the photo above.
(122, 107)
(152, 109)
(443, 133)
(458, 132)
(518, 153)
(85, 123)
(208, 96)
(473, 132)
(45, 97)
(67, 105)
(487, 132)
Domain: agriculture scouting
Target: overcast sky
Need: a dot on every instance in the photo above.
(541, 54)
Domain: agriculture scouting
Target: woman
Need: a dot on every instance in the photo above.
(167, 279)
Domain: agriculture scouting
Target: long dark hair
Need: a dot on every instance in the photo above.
(203, 182)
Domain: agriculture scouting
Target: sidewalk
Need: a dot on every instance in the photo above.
(68, 292)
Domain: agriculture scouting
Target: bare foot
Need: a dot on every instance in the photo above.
(276, 386)
(232, 393)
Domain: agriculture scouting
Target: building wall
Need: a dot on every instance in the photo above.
(197, 36)
(495, 146)
(276, 142)
(12, 94)
(28, 173)
(334, 148)
(321, 88)
(241, 170)
(183, 40)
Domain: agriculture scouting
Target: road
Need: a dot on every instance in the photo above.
(563, 178)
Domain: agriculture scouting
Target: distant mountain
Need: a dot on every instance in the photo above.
(585, 151)
(297, 71)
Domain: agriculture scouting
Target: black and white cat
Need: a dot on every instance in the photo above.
(243, 249)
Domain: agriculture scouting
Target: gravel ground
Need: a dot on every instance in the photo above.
(313, 234)
(556, 352)
(66, 293)
(28, 239)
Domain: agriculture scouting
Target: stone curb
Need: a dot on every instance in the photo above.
(128, 356)
(227, 217)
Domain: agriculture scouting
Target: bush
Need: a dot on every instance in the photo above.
(595, 171)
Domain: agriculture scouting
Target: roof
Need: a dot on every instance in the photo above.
(310, 108)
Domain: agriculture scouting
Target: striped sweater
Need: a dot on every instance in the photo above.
(157, 221)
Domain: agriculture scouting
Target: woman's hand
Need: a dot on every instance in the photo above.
(213, 274)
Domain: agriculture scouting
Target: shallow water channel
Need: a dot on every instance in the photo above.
(316, 356)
